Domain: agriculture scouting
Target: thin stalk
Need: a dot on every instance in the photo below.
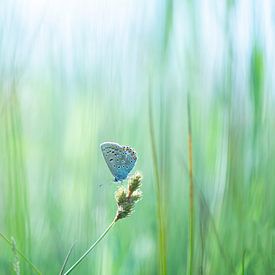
(191, 191)
(66, 260)
(226, 258)
(243, 263)
(21, 254)
(91, 248)
(160, 211)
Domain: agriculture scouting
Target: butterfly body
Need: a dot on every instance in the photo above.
(119, 158)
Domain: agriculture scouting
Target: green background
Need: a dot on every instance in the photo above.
(74, 74)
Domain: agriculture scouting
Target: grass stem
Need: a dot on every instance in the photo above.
(66, 259)
(90, 249)
(191, 191)
(21, 254)
(243, 263)
(160, 208)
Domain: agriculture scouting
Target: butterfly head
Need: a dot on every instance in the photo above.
(118, 180)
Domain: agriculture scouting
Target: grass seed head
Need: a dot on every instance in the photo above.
(134, 182)
(127, 198)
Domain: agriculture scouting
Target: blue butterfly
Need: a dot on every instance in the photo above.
(120, 159)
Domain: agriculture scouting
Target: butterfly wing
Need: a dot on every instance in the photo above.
(120, 159)
(129, 160)
(111, 152)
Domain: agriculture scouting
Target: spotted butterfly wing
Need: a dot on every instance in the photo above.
(120, 159)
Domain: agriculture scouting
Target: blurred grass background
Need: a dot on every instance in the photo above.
(74, 74)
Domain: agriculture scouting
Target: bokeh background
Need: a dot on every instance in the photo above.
(74, 74)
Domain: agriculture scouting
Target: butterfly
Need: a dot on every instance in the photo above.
(119, 158)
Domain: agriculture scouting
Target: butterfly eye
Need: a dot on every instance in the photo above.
(111, 159)
(118, 167)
